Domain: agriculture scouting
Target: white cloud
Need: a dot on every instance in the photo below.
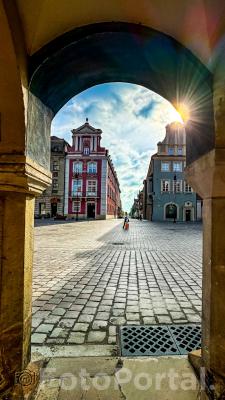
(132, 119)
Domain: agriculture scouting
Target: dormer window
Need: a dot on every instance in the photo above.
(86, 151)
(170, 151)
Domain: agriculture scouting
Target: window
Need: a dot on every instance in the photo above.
(177, 166)
(55, 174)
(55, 183)
(76, 206)
(77, 167)
(86, 151)
(77, 187)
(92, 168)
(55, 166)
(91, 188)
(165, 186)
(165, 166)
(180, 151)
(170, 151)
(187, 188)
(42, 208)
(177, 186)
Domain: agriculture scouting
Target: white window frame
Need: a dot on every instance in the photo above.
(187, 188)
(175, 185)
(164, 185)
(77, 192)
(77, 170)
(177, 163)
(91, 163)
(74, 206)
(86, 151)
(89, 192)
(165, 163)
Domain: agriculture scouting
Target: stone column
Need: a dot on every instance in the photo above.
(207, 177)
(20, 180)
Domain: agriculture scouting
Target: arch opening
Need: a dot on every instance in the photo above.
(123, 52)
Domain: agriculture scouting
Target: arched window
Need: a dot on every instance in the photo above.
(92, 168)
(77, 167)
(171, 211)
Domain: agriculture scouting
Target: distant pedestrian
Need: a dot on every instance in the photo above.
(126, 222)
(140, 217)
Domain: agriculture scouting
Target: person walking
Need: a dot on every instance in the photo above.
(126, 222)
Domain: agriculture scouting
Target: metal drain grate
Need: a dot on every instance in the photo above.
(118, 243)
(159, 340)
(187, 337)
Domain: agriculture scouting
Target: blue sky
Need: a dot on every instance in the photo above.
(132, 119)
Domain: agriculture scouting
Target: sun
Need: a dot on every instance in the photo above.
(176, 116)
(181, 112)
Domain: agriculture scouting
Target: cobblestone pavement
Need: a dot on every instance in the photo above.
(90, 277)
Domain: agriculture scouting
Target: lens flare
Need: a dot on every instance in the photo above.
(184, 112)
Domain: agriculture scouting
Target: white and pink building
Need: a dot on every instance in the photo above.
(91, 185)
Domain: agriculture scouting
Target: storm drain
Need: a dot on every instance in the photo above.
(159, 340)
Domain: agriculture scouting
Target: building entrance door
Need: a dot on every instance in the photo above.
(91, 210)
(53, 209)
(188, 215)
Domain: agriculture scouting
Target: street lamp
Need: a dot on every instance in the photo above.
(77, 197)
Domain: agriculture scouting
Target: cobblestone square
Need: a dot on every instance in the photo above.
(90, 277)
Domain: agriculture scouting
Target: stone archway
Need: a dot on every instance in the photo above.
(119, 52)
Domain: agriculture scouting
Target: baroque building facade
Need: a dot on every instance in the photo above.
(51, 201)
(91, 185)
(166, 194)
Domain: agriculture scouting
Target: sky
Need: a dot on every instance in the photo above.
(133, 121)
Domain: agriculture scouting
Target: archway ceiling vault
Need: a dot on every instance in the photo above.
(199, 25)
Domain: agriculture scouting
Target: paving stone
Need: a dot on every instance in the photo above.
(96, 336)
(44, 328)
(149, 320)
(102, 316)
(177, 315)
(59, 332)
(85, 318)
(36, 322)
(81, 327)
(112, 339)
(38, 338)
(72, 314)
(76, 337)
(154, 277)
(164, 319)
(66, 323)
(99, 324)
(112, 331)
(132, 316)
(58, 311)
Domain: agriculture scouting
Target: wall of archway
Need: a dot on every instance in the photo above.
(125, 52)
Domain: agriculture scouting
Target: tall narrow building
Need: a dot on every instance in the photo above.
(167, 194)
(51, 202)
(91, 185)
